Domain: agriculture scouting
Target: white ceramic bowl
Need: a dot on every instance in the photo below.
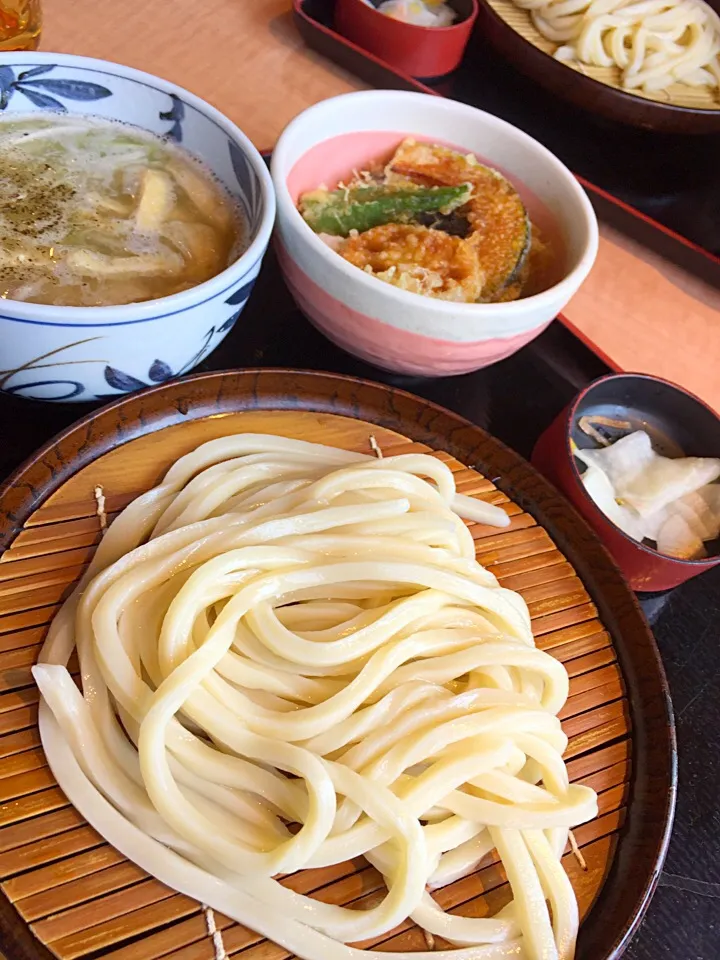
(382, 324)
(89, 353)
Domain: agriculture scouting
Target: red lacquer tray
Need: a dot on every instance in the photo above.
(657, 197)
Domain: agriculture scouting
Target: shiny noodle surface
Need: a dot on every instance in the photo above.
(290, 657)
(654, 43)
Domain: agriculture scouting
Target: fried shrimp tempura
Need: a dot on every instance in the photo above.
(418, 259)
(432, 165)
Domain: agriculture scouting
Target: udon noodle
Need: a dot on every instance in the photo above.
(290, 657)
(654, 43)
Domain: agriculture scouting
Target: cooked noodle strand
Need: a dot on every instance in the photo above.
(654, 43)
(291, 658)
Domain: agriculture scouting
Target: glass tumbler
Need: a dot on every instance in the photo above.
(20, 24)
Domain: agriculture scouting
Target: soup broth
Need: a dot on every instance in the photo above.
(96, 213)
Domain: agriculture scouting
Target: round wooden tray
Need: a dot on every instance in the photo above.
(69, 894)
(681, 109)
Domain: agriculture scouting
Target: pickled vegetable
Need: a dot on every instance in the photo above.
(360, 208)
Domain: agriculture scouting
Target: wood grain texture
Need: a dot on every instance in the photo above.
(69, 894)
(651, 316)
(243, 56)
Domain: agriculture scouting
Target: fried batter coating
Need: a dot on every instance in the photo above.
(433, 165)
(341, 211)
(499, 224)
(418, 259)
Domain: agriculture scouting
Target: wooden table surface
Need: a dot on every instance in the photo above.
(246, 58)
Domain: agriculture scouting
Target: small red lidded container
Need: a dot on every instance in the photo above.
(678, 423)
(423, 52)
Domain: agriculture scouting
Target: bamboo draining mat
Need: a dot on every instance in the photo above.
(80, 896)
(679, 94)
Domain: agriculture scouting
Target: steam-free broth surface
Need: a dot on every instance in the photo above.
(96, 213)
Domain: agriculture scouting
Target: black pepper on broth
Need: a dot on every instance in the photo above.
(98, 213)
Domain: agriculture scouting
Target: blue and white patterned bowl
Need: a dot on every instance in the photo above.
(91, 353)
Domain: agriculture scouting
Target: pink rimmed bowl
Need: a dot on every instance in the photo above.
(381, 324)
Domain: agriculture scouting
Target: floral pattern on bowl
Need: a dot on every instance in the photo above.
(121, 382)
(79, 354)
(44, 93)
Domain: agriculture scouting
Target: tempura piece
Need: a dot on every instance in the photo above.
(418, 259)
(338, 212)
(500, 226)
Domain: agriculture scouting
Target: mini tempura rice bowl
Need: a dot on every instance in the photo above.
(99, 352)
(392, 328)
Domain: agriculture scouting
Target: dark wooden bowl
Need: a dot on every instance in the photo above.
(67, 891)
(590, 94)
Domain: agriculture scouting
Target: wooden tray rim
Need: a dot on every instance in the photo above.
(644, 838)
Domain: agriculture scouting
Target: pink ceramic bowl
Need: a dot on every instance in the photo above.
(392, 328)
